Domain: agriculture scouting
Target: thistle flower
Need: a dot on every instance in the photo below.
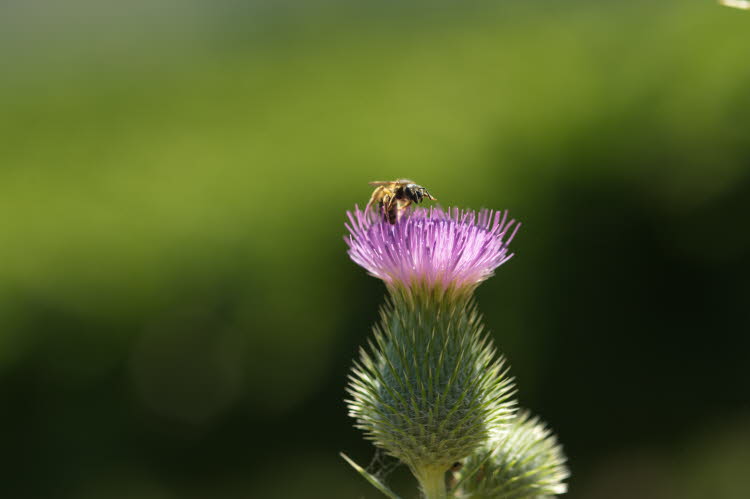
(431, 247)
(523, 461)
(431, 389)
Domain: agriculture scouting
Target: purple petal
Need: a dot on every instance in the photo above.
(452, 247)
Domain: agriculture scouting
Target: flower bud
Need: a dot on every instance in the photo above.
(521, 461)
(431, 388)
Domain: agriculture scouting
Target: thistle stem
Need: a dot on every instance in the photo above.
(432, 481)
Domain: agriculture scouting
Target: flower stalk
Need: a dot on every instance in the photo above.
(432, 482)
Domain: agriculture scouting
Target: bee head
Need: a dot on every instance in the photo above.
(417, 193)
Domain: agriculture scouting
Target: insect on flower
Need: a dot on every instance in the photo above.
(393, 198)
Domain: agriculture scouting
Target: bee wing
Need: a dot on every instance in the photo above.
(401, 181)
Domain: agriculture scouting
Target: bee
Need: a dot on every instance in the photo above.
(393, 198)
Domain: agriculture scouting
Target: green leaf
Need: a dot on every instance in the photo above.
(374, 481)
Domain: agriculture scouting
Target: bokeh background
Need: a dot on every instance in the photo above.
(177, 310)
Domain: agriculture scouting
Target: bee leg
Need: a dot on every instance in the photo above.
(386, 207)
(401, 207)
(375, 195)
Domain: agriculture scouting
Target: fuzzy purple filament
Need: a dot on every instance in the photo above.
(433, 246)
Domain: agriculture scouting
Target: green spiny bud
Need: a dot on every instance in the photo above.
(521, 461)
(430, 390)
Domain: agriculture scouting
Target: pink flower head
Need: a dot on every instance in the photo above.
(434, 247)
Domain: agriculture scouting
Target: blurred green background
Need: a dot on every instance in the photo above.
(177, 310)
